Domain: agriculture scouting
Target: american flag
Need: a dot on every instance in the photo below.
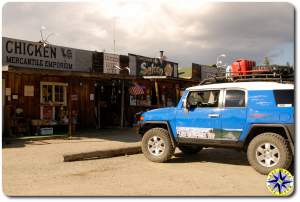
(136, 90)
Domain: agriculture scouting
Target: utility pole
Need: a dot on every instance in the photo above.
(70, 126)
(114, 34)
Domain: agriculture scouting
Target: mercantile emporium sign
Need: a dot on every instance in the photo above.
(29, 54)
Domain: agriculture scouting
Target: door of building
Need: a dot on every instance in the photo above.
(108, 103)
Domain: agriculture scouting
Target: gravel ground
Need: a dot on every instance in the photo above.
(37, 168)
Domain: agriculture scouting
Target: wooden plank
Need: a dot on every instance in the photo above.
(99, 154)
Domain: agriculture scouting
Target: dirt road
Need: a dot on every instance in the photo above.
(37, 169)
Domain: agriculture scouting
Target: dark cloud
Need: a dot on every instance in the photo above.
(190, 32)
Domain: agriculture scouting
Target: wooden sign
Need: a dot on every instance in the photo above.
(15, 97)
(29, 91)
(111, 62)
(8, 91)
(74, 97)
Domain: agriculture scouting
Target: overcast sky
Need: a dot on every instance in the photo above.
(188, 31)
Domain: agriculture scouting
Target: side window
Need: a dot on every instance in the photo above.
(284, 98)
(235, 98)
(209, 98)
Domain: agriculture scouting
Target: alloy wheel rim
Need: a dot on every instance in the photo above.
(156, 145)
(267, 154)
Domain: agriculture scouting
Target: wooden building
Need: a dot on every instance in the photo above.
(44, 88)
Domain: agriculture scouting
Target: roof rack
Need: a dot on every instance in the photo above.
(250, 77)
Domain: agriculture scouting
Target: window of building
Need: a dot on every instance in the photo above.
(208, 98)
(53, 93)
(235, 98)
(54, 101)
(46, 93)
(59, 93)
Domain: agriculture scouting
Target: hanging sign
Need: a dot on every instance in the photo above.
(111, 63)
(146, 66)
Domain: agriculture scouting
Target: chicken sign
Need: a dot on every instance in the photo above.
(29, 54)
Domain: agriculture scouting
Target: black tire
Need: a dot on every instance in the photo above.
(190, 149)
(161, 134)
(284, 152)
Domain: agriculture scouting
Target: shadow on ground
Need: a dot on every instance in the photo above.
(113, 134)
(13, 143)
(218, 155)
(21, 143)
(126, 135)
(213, 155)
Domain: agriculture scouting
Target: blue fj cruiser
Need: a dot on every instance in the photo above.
(257, 117)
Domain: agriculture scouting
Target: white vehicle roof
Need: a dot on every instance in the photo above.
(245, 85)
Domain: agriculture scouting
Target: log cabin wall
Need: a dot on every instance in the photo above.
(79, 92)
(86, 90)
(81, 95)
(80, 89)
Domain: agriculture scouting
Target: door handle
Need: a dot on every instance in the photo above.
(213, 115)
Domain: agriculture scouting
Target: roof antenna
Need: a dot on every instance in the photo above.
(44, 41)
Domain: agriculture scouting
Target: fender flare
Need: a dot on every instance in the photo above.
(287, 132)
(168, 128)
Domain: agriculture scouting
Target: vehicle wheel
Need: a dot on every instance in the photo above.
(268, 151)
(190, 149)
(157, 145)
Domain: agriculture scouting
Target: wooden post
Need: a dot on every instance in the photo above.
(122, 104)
(70, 109)
(156, 91)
